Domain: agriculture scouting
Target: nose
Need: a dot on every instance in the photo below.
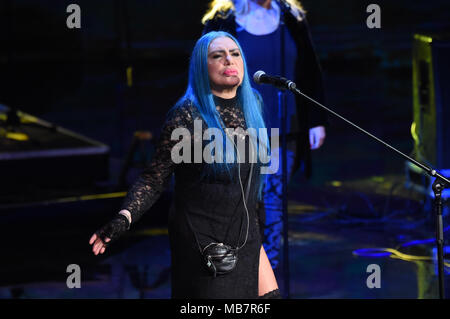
(228, 59)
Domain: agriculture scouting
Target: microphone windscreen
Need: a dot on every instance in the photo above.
(257, 75)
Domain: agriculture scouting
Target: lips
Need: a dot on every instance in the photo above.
(230, 72)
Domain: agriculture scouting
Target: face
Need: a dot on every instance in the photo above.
(225, 65)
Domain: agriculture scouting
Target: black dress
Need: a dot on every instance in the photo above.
(214, 206)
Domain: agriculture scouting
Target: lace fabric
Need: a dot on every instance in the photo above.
(274, 294)
(154, 179)
(113, 229)
(214, 204)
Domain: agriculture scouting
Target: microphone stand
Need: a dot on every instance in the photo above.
(438, 186)
(282, 107)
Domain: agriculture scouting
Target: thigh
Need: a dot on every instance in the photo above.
(266, 277)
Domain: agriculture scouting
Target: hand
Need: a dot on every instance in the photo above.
(99, 246)
(109, 233)
(316, 137)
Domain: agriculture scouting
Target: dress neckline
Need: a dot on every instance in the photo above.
(225, 103)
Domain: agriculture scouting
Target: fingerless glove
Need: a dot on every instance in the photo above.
(113, 229)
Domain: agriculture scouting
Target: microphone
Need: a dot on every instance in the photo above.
(260, 77)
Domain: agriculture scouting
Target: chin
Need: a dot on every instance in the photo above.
(233, 82)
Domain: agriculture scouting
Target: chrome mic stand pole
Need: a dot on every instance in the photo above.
(282, 107)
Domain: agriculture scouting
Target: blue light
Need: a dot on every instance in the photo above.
(371, 252)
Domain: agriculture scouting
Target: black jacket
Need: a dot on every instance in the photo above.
(308, 77)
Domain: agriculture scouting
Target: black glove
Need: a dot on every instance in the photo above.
(114, 229)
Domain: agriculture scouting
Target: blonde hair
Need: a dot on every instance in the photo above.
(221, 7)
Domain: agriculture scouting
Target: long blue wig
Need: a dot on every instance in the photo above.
(199, 93)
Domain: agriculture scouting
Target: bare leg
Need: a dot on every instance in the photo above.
(266, 278)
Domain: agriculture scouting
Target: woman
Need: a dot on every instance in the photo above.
(209, 204)
(266, 29)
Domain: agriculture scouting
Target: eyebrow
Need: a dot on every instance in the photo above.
(222, 51)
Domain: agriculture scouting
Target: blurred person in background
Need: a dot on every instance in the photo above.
(262, 27)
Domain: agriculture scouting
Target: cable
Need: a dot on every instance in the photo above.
(393, 253)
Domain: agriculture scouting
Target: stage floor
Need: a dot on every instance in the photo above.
(326, 232)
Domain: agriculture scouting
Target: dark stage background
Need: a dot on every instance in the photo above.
(77, 79)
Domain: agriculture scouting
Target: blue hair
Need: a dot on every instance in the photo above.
(199, 93)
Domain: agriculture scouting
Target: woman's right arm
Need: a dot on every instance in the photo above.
(148, 187)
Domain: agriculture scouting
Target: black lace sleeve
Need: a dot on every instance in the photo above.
(154, 179)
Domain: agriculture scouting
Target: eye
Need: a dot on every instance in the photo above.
(236, 54)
